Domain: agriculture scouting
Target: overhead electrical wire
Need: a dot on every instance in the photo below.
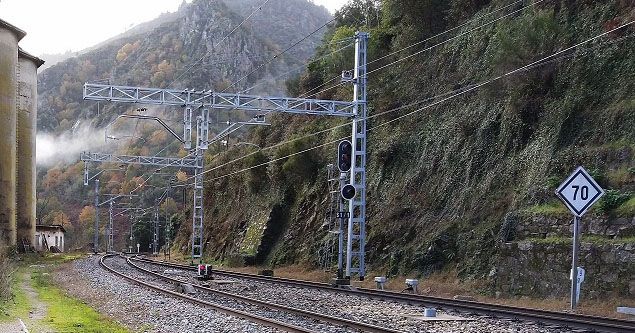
(426, 49)
(273, 58)
(238, 127)
(222, 40)
(279, 54)
(459, 92)
(303, 66)
(310, 92)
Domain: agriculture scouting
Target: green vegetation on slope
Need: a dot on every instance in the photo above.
(441, 180)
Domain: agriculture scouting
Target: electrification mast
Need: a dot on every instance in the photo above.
(203, 101)
(357, 206)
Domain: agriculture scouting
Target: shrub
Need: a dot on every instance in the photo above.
(611, 200)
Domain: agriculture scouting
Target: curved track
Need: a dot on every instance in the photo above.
(241, 314)
(340, 322)
(578, 321)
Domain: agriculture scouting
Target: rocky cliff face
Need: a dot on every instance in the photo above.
(443, 181)
(283, 22)
(184, 49)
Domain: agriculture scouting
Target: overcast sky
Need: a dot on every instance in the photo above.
(56, 26)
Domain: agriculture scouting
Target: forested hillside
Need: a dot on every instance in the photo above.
(185, 49)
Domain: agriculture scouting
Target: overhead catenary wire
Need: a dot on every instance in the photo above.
(459, 92)
(297, 68)
(310, 92)
(233, 127)
(276, 56)
(426, 49)
(219, 42)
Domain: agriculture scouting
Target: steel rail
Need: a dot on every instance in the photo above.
(322, 317)
(594, 323)
(232, 312)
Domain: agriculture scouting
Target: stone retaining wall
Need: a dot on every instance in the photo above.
(539, 269)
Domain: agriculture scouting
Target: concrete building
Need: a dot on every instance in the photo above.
(18, 111)
(26, 72)
(9, 38)
(47, 236)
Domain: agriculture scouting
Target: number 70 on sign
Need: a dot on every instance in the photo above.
(579, 191)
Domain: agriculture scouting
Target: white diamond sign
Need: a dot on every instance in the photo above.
(579, 192)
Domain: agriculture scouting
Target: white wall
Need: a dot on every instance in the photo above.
(50, 238)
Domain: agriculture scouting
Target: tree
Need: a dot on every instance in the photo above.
(60, 218)
(168, 206)
(87, 215)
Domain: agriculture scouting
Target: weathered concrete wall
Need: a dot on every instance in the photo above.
(8, 89)
(541, 269)
(26, 131)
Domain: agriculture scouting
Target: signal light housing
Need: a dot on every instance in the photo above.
(344, 155)
(348, 192)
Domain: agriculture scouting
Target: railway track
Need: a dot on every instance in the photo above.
(574, 321)
(338, 324)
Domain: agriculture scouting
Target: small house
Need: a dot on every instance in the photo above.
(48, 236)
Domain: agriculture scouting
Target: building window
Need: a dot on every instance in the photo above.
(37, 240)
(56, 244)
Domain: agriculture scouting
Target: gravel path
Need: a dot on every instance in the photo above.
(142, 309)
(11, 327)
(35, 322)
(383, 313)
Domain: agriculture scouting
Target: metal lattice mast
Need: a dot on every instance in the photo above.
(206, 100)
(155, 236)
(110, 228)
(357, 207)
(168, 224)
(202, 135)
(96, 236)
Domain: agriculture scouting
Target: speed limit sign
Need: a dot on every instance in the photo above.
(579, 192)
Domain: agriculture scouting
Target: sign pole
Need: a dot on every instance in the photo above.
(578, 192)
(574, 264)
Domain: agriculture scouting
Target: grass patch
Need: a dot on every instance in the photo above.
(18, 306)
(550, 240)
(49, 258)
(627, 208)
(593, 239)
(550, 209)
(66, 314)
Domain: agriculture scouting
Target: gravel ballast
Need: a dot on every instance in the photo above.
(382, 313)
(145, 310)
(142, 309)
